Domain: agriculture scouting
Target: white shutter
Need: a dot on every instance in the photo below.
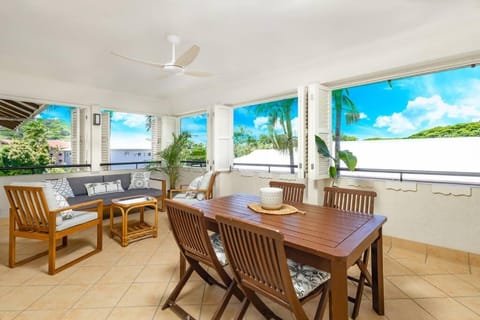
(222, 138)
(302, 132)
(156, 129)
(168, 126)
(105, 147)
(319, 115)
(75, 137)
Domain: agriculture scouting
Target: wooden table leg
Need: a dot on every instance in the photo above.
(338, 291)
(155, 221)
(377, 275)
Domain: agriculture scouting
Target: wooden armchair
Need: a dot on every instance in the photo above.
(259, 264)
(204, 188)
(33, 215)
(360, 201)
(292, 192)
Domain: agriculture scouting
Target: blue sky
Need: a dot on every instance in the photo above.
(257, 124)
(196, 125)
(56, 112)
(416, 103)
(410, 105)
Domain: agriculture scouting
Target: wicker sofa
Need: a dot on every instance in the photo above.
(77, 185)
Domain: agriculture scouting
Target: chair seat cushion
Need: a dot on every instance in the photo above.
(218, 248)
(182, 198)
(78, 217)
(306, 278)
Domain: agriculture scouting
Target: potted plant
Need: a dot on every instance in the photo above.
(344, 155)
(171, 157)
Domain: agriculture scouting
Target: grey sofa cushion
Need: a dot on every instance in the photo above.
(78, 184)
(107, 197)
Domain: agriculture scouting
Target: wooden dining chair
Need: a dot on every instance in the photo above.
(292, 191)
(259, 265)
(360, 201)
(34, 215)
(196, 246)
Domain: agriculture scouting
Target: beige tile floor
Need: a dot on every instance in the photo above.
(133, 282)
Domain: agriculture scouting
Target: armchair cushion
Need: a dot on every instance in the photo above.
(78, 217)
(204, 184)
(193, 186)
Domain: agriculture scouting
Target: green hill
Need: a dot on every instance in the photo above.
(471, 129)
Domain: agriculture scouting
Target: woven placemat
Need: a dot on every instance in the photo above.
(284, 209)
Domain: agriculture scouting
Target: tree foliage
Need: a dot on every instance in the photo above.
(471, 129)
(279, 126)
(28, 148)
(172, 156)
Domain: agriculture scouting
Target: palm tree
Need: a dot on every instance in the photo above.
(342, 104)
(279, 113)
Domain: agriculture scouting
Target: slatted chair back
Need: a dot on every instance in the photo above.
(292, 192)
(361, 201)
(259, 263)
(190, 232)
(197, 246)
(29, 208)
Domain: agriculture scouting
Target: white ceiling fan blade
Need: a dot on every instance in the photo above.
(198, 74)
(150, 63)
(188, 56)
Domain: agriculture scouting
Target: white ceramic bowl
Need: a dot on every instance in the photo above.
(271, 198)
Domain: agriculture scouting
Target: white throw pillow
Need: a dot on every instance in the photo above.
(62, 186)
(96, 188)
(49, 195)
(140, 180)
(204, 185)
(193, 186)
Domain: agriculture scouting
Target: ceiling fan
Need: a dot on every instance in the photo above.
(176, 65)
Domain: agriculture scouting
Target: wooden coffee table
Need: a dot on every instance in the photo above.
(133, 230)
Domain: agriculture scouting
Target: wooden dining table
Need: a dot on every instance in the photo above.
(326, 238)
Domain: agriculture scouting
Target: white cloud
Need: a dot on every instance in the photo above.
(396, 123)
(129, 119)
(260, 122)
(363, 115)
(425, 112)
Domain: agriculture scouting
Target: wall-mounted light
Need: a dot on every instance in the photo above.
(97, 120)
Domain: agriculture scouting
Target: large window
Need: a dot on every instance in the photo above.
(265, 136)
(196, 126)
(44, 140)
(130, 139)
(428, 122)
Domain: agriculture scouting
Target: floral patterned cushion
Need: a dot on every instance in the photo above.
(306, 278)
(217, 244)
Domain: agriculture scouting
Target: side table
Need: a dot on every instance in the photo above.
(137, 229)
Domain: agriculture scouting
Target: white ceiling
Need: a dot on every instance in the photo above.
(60, 49)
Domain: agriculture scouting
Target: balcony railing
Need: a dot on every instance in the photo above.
(456, 177)
(266, 165)
(128, 165)
(42, 169)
